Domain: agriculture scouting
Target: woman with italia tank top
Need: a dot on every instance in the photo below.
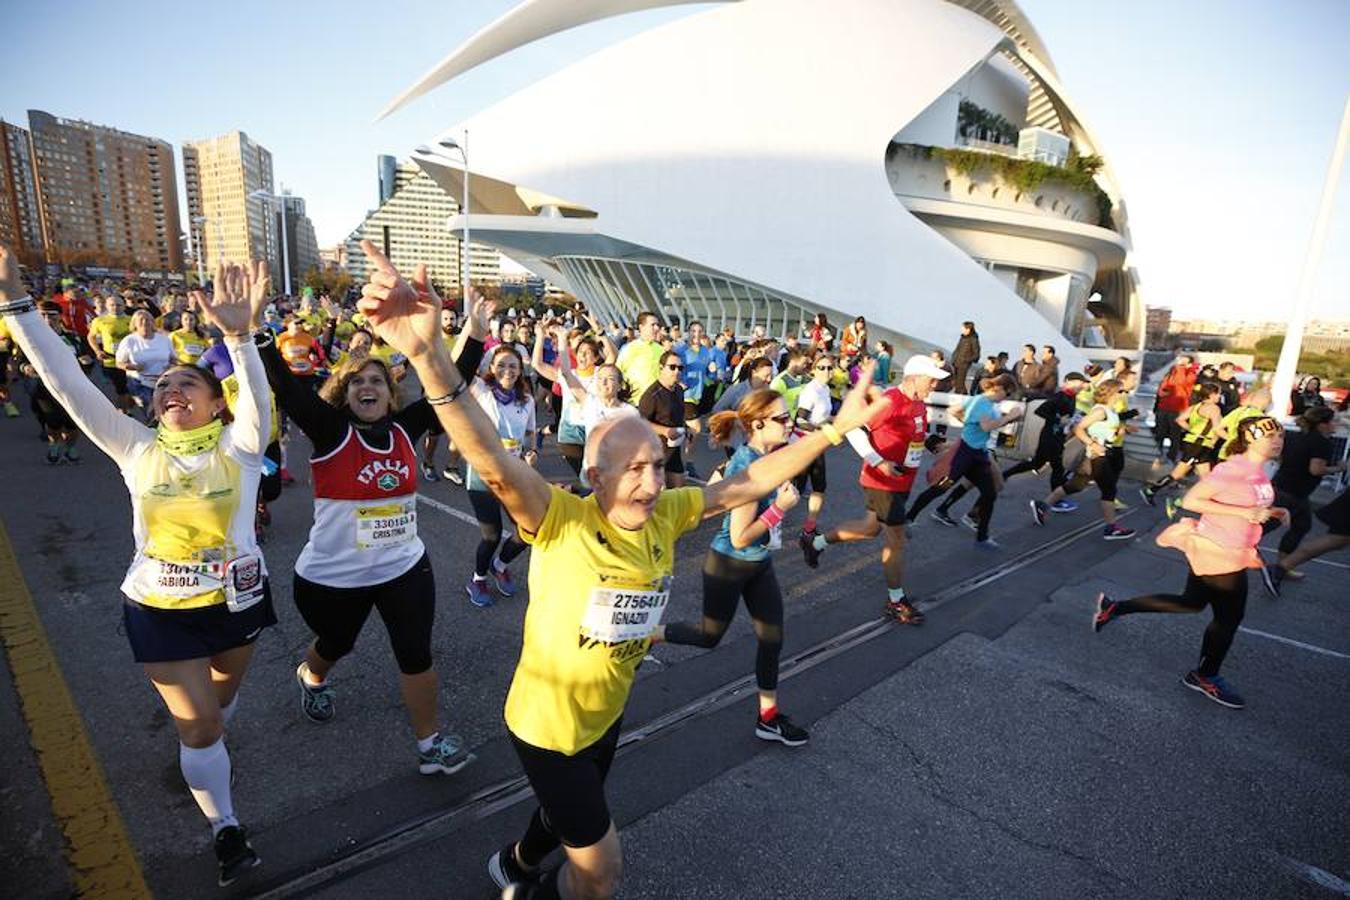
(363, 551)
(1234, 501)
(196, 594)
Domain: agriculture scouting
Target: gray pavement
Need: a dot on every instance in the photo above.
(1001, 749)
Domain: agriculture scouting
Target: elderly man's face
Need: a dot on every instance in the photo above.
(628, 473)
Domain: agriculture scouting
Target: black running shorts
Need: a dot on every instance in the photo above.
(888, 505)
(571, 789)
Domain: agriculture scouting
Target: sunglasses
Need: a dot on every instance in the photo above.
(784, 419)
(825, 368)
(675, 368)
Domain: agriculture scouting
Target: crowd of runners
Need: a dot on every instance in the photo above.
(202, 389)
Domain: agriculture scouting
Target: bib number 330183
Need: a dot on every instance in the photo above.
(387, 525)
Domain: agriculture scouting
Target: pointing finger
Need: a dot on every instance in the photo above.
(381, 261)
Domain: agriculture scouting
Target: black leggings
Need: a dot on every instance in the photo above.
(1300, 520)
(973, 465)
(1049, 451)
(725, 581)
(1107, 476)
(488, 510)
(407, 604)
(570, 791)
(1226, 594)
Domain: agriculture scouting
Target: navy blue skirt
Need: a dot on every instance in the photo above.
(170, 635)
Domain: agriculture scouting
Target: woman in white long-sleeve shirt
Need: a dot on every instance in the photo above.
(196, 594)
(144, 354)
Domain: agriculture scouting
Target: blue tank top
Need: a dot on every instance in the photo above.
(741, 459)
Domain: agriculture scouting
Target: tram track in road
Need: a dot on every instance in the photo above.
(501, 795)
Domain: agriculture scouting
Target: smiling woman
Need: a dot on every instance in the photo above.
(197, 593)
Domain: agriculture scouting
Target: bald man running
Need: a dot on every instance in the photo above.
(599, 583)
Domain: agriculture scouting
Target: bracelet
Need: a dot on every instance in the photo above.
(447, 399)
(832, 433)
(771, 517)
(14, 307)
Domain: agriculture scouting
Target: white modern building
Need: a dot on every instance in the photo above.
(410, 228)
(913, 161)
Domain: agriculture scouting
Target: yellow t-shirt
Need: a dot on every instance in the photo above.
(110, 330)
(596, 593)
(230, 385)
(188, 347)
(313, 321)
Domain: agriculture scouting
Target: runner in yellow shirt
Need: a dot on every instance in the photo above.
(189, 341)
(600, 575)
(105, 332)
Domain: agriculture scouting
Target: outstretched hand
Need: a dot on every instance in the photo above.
(408, 317)
(240, 296)
(857, 410)
(478, 312)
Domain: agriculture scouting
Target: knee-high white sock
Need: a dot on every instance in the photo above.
(227, 711)
(207, 772)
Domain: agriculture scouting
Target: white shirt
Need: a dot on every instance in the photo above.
(151, 355)
(813, 403)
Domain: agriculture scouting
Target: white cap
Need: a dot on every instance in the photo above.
(923, 365)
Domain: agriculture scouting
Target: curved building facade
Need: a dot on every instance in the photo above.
(940, 174)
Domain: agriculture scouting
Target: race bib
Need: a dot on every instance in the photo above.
(615, 615)
(244, 583)
(386, 525)
(914, 455)
(184, 580)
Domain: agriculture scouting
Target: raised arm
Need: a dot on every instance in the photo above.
(771, 470)
(116, 434)
(236, 309)
(409, 320)
(548, 370)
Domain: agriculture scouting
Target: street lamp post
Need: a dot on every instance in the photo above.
(285, 254)
(462, 146)
(198, 222)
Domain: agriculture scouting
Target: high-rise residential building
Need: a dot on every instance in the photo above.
(20, 211)
(388, 169)
(302, 247)
(410, 228)
(107, 197)
(221, 174)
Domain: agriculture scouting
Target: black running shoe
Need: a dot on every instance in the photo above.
(505, 871)
(234, 853)
(807, 541)
(904, 612)
(1271, 577)
(1149, 493)
(1103, 612)
(781, 729)
(1039, 511)
(1215, 688)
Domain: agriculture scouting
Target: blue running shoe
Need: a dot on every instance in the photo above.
(506, 585)
(446, 756)
(1064, 506)
(1215, 688)
(479, 595)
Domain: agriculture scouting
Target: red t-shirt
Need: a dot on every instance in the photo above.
(75, 313)
(897, 435)
(1174, 394)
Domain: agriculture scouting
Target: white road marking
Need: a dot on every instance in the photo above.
(1321, 562)
(1293, 643)
(1319, 877)
(448, 510)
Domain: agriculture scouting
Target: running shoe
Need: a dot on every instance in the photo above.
(315, 702)
(1150, 494)
(73, 454)
(1039, 511)
(781, 729)
(938, 515)
(1105, 611)
(453, 475)
(11, 411)
(234, 853)
(1120, 504)
(1064, 506)
(1292, 574)
(970, 523)
(1215, 688)
(428, 472)
(505, 584)
(505, 870)
(1271, 577)
(988, 544)
(446, 756)
(479, 595)
(1115, 532)
(53, 454)
(807, 541)
(1172, 508)
(904, 612)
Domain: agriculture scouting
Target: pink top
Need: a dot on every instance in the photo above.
(1217, 544)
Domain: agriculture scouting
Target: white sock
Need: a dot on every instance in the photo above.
(424, 744)
(227, 711)
(207, 772)
(896, 594)
(819, 542)
(497, 564)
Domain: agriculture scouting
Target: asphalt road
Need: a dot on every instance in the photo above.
(1000, 750)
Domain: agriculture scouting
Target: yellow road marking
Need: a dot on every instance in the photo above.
(102, 861)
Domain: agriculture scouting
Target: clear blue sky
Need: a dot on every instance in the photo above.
(1218, 115)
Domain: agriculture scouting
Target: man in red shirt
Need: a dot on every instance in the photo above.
(892, 447)
(1174, 395)
(76, 310)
